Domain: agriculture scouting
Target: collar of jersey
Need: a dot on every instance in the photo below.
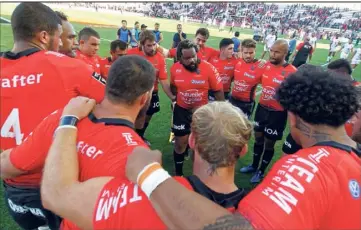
(337, 145)
(14, 56)
(111, 121)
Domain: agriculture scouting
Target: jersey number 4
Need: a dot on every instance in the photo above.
(11, 127)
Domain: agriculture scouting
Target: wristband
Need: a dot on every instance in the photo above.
(68, 120)
(151, 177)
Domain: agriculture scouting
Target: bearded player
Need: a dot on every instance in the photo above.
(270, 116)
(148, 50)
(247, 75)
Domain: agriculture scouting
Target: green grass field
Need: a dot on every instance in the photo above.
(159, 128)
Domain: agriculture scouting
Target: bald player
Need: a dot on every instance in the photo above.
(270, 117)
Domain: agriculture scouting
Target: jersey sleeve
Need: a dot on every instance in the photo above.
(172, 53)
(299, 46)
(215, 80)
(103, 62)
(163, 75)
(31, 154)
(122, 205)
(79, 78)
(291, 196)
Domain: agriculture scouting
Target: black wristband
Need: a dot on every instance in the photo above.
(68, 120)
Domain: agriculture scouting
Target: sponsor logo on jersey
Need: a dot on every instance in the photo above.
(354, 188)
(198, 82)
(275, 80)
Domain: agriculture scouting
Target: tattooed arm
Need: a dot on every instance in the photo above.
(184, 209)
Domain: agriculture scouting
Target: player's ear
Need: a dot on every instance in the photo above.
(291, 119)
(191, 141)
(43, 37)
(244, 151)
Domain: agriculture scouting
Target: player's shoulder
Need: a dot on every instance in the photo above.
(290, 67)
(176, 66)
(133, 51)
(61, 60)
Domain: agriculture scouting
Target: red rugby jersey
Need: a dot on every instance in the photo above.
(315, 188)
(192, 87)
(272, 78)
(225, 69)
(31, 91)
(246, 78)
(105, 64)
(93, 61)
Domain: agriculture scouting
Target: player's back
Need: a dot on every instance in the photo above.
(316, 188)
(34, 84)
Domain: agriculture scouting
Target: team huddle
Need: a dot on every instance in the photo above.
(74, 153)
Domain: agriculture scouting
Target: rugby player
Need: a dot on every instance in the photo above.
(346, 49)
(89, 42)
(217, 124)
(270, 117)
(269, 41)
(148, 50)
(317, 188)
(224, 63)
(69, 43)
(204, 52)
(247, 75)
(343, 69)
(356, 58)
(191, 79)
(30, 91)
(303, 51)
(335, 41)
(105, 138)
(118, 48)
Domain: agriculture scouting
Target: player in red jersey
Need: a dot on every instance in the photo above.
(343, 68)
(224, 63)
(213, 174)
(68, 37)
(89, 42)
(118, 48)
(247, 75)
(317, 188)
(191, 79)
(30, 91)
(105, 138)
(148, 50)
(205, 53)
(270, 117)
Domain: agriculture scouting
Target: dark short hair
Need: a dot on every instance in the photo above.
(118, 44)
(61, 15)
(342, 65)
(203, 31)
(236, 34)
(185, 44)
(86, 33)
(146, 35)
(319, 97)
(249, 43)
(225, 42)
(129, 77)
(30, 18)
(124, 21)
(136, 23)
(156, 24)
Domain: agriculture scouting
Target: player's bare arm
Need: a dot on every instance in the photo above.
(167, 89)
(160, 37)
(7, 169)
(182, 208)
(173, 88)
(61, 173)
